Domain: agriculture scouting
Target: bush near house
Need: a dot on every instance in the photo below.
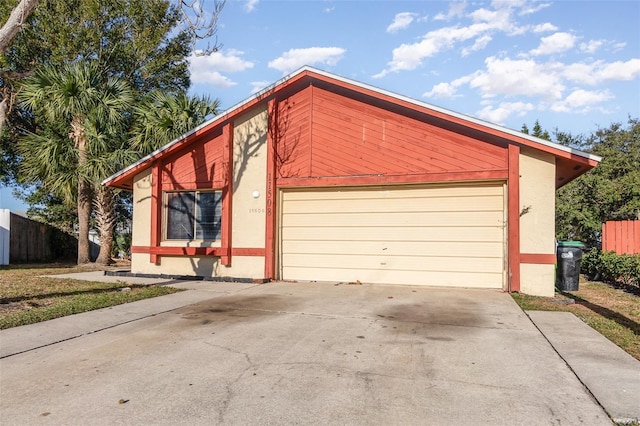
(612, 268)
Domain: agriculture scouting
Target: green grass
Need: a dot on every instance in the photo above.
(27, 297)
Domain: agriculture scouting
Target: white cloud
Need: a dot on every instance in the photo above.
(447, 90)
(296, 58)
(441, 90)
(207, 69)
(555, 43)
(329, 9)
(618, 70)
(507, 77)
(498, 17)
(543, 85)
(591, 46)
(456, 9)
(409, 56)
(544, 28)
(213, 78)
(513, 84)
(579, 72)
(597, 72)
(531, 8)
(401, 21)
(250, 5)
(581, 100)
(479, 44)
(618, 46)
(257, 86)
(503, 111)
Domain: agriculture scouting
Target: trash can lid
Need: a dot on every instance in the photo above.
(578, 244)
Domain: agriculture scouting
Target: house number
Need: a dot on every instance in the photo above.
(256, 210)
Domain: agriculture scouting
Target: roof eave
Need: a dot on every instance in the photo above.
(118, 178)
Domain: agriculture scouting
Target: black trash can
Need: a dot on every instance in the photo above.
(569, 256)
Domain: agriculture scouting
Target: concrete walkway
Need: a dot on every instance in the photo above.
(611, 374)
(284, 353)
(22, 339)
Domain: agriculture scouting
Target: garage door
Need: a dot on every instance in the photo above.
(437, 235)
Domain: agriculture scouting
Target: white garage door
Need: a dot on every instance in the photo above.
(438, 235)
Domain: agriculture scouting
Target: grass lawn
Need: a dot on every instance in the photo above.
(26, 297)
(614, 313)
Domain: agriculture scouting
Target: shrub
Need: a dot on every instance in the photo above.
(610, 267)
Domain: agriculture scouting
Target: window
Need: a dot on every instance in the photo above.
(193, 215)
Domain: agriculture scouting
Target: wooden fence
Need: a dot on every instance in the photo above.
(34, 242)
(622, 236)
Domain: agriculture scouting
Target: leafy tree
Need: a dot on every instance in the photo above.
(77, 95)
(162, 117)
(611, 191)
(56, 24)
(538, 132)
(144, 42)
(48, 208)
(136, 40)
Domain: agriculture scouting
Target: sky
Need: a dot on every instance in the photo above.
(572, 65)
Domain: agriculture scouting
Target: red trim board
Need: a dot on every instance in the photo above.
(538, 258)
(513, 218)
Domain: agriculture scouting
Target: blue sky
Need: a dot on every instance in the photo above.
(573, 65)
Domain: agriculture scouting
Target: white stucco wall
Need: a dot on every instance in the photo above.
(249, 179)
(141, 232)
(537, 220)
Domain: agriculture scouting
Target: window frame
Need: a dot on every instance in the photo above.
(194, 216)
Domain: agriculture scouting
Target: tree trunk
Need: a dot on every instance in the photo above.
(16, 19)
(4, 112)
(85, 194)
(104, 205)
(84, 219)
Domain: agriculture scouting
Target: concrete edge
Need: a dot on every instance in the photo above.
(609, 374)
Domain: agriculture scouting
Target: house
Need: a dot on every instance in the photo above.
(321, 178)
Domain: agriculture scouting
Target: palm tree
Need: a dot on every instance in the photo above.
(105, 161)
(81, 98)
(163, 116)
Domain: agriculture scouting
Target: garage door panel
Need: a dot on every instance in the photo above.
(393, 248)
(381, 205)
(468, 234)
(433, 191)
(397, 263)
(404, 218)
(429, 278)
(449, 235)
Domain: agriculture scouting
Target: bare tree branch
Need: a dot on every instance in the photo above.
(201, 24)
(14, 23)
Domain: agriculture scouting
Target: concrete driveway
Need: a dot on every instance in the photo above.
(285, 353)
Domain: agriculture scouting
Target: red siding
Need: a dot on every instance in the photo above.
(199, 166)
(289, 130)
(352, 138)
